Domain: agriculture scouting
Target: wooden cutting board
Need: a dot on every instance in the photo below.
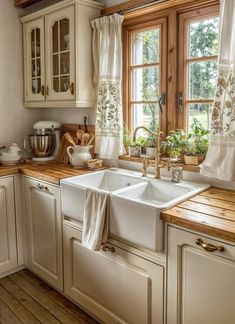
(62, 155)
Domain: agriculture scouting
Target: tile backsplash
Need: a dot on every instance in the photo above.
(15, 120)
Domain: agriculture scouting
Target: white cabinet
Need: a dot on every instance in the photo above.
(8, 248)
(58, 68)
(44, 230)
(114, 285)
(201, 284)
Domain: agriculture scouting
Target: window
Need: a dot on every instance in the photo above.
(145, 75)
(172, 52)
(200, 67)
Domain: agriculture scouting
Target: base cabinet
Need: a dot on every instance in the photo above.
(8, 247)
(201, 284)
(44, 231)
(116, 285)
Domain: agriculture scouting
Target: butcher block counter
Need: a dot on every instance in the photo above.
(50, 171)
(211, 212)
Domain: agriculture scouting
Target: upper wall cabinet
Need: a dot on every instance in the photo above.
(58, 69)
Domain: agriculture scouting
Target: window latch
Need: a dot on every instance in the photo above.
(180, 102)
(162, 101)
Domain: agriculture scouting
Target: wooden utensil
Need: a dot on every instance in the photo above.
(85, 139)
(79, 134)
(69, 138)
(91, 139)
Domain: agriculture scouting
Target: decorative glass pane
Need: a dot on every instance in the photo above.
(36, 86)
(33, 68)
(64, 63)
(202, 79)
(203, 37)
(202, 112)
(55, 64)
(145, 115)
(38, 47)
(145, 84)
(64, 83)
(64, 34)
(55, 37)
(145, 46)
(32, 44)
(38, 67)
(56, 85)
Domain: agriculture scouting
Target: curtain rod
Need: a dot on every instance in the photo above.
(135, 7)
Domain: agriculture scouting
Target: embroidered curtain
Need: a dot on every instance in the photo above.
(220, 159)
(107, 57)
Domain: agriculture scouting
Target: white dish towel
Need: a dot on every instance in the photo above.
(95, 222)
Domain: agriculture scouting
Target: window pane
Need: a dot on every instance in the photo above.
(145, 46)
(145, 115)
(202, 79)
(145, 84)
(64, 34)
(202, 112)
(203, 38)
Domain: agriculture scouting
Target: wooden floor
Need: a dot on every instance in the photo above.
(24, 298)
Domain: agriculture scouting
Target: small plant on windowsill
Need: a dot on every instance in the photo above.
(198, 142)
(175, 144)
(150, 145)
(133, 148)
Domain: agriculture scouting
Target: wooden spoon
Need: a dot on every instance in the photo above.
(79, 134)
(91, 139)
(69, 138)
(85, 139)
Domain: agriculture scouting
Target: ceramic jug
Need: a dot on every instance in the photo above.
(79, 155)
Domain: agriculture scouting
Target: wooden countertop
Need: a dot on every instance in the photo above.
(50, 171)
(211, 212)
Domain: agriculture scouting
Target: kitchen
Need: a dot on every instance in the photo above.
(143, 230)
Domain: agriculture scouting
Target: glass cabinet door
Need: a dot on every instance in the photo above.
(60, 55)
(34, 61)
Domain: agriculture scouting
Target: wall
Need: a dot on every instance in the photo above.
(15, 121)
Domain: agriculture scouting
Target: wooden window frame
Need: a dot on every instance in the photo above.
(184, 20)
(174, 76)
(128, 67)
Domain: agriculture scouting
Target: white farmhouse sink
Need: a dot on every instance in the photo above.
(135, 211)
(74, 189)
(135, 202)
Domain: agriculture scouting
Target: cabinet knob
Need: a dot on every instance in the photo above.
(47, 90)
(43, 90)
(209, 247)
(107, 248)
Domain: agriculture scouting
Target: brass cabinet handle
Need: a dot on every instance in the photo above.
(47, 90)
(72, 88)
(209, 247)
(43, 90)
(107, 248)
(41, 187)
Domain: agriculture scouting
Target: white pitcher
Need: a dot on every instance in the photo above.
(80, 155)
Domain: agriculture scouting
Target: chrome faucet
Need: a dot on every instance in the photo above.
(158, 164)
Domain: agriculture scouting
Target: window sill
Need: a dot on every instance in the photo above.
(186, 167)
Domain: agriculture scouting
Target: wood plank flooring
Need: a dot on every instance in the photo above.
(24, 298)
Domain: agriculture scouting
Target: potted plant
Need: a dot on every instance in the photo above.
(133, 148)
(198, 141)
(175, 143)
(150, 145)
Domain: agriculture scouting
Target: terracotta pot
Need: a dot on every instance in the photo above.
(193, 159)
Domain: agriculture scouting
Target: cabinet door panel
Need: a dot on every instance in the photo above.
(44, 231)
(34, 71)
(60, 64)
(200, 285)
(8, 252)
(117, 288)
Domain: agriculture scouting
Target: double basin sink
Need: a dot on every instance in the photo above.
(135, 202)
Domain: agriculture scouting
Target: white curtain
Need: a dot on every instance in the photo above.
(107, 57)
(220, 159)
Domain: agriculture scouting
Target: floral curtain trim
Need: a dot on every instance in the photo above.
(223, 113)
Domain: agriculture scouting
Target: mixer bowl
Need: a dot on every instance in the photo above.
(42, 145)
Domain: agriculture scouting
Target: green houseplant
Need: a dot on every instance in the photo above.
(198, 142)
(175, 143)
(133, 148)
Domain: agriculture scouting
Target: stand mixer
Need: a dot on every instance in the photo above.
(44, 142)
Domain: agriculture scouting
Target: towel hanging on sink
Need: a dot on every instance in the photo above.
(95, 222)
